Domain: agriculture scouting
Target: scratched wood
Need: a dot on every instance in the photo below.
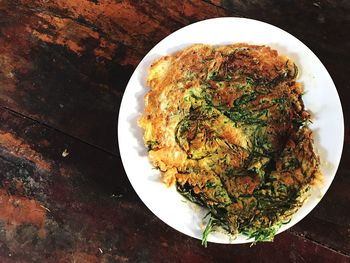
(81, 208)
(65, 65)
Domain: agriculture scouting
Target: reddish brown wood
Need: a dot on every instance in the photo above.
(82, 208)
(65, 65)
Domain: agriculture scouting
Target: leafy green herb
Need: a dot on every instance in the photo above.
(216, 77)
(151, 145)
(238, 115)
(186, 191)
(245, 99)
(262, 235)
(290, 164)
(210, 184)
(248, 198)
(208, 229)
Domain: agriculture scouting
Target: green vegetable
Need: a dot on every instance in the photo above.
(257, 197)
(262, 235)
(151, 145)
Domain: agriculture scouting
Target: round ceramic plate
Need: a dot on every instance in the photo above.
(320, 98)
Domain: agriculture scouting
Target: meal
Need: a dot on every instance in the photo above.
(227, 126)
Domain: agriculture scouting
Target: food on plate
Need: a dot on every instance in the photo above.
(227, 126)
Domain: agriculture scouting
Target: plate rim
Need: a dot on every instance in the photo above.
(213, 20)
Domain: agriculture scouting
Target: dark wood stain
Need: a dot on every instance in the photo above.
(64, 66)
(87, 204)
(71, 63)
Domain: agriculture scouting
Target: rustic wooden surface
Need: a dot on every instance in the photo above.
(64, 65)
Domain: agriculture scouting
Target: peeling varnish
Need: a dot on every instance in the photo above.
(20, 149)
(70, 34)
(121, 13)
(106, 49)
(120, 20)
(16, 210)
(10, 63)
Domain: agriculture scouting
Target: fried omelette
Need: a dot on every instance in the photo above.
(227, 125)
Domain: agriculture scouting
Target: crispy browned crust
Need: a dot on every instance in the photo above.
(227, 116)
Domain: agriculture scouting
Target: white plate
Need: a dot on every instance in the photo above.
(321, 99)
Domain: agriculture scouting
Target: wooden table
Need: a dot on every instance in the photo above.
(64, 196)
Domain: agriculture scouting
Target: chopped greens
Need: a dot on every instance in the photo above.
(240, 145)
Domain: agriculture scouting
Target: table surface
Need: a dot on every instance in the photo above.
(64, 65)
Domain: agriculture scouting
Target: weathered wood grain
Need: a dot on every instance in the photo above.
(81, 208)
(66, 63)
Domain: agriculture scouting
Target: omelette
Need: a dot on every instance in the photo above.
(227, 126)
